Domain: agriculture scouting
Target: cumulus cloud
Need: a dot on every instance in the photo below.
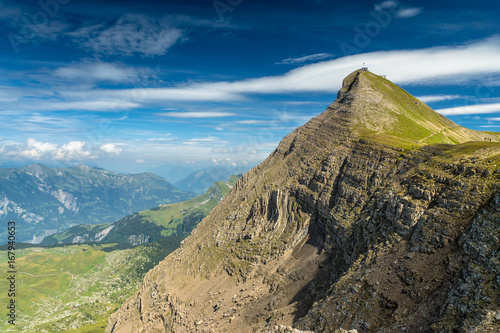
(131, 34)
(74, 150)
(110, 148)
(36, 150)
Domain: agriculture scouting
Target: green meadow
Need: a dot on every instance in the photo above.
(70, 286)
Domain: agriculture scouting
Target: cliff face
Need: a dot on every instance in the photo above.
(375, 215)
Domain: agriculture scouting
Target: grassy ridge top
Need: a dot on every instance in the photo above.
(390, 115)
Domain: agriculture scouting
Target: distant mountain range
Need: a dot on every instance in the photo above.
(191, 178)
(174, 173)
(43, 200)
(200, 180)
(177, 219)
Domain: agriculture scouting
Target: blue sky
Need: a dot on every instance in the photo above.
(130, 85)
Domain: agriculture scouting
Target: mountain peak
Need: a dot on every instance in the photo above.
(381, 111)
(348, 82)
(335, 229)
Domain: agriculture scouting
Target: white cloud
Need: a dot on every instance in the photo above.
(451, 65)
(389, 4)
(253, 122)
(471, 109)
(160, 139)
(437, 65)
(308, 58)
(74, 150)
(131, 34)
(300, 102)
(96, 71)
(33, 149)
(395, 8)
(438, 98)
(190, 115)
(222, 150)
(209, 139)
(9, 94)
(36, 150)
(223, 161)
(408, 12)
(95, 105)
(140, 161)
(195, 92)
(110, 148)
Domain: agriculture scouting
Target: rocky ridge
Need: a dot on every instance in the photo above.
(379, 215)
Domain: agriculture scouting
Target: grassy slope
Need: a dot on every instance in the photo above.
(75, 288)
(169, 216)
(470, 153)
(71, 285)
(404, 121)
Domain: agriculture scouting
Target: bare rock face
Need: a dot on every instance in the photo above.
(286, 329)
(357, 221)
